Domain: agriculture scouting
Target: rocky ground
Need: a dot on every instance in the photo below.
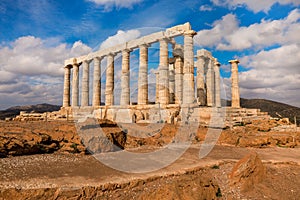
(248, 162)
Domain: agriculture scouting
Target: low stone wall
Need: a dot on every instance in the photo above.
(174, 114)
(46, 116)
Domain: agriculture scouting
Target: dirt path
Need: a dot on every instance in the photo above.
(57, 170)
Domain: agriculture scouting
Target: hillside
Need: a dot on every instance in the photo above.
(39, 108)
(275, 109)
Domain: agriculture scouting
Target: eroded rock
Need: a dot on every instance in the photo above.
(247, 172)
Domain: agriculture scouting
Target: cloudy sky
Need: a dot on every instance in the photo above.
(36, 36)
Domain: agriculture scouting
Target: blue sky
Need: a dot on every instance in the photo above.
(36, 36)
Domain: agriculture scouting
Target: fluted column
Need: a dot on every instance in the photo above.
(97, 82)
(75, 85)
(164, 72)
(172, 83)
(210, 84)
(188, 68)
(109, 90)
(85, 83)
(125, 78)
(143, 76)
(217, 83)
(235, 92)
(178, 79)
(200, 64)
(66, 97)
(156, 87)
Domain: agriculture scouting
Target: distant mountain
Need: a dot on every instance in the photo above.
(275, 109)
(39, 108)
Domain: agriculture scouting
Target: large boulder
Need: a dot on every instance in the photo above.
(247, 172)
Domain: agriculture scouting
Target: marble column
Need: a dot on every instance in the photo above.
(85, 83)
(188, 68)
(97, 82)
(75, 85)
(66, 97)
(178, 80)
(217, 84)
(235, 93)
(125, 78)
(109, 90)
(164, 94)
(210, 84)
(172, 83)
(143, 76)
(156, 87)
(200, 64)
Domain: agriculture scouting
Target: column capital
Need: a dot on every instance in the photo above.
(127, 50)
(87, 61)
(146, 45)
(99, 58)
(190, 33)
(75, 61)
(111, 54)
(216, 63)
(234, 61)
(68, 67)
(165, 39)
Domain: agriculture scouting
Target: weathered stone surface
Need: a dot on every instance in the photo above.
(235, 92)
(109, 91)
(66, 97)
(143, 76)
(85, 84)
(75, 85)
(125, 79)
(97, 82)
(96, 140)
(163, 70)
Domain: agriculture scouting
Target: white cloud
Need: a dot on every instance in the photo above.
(205, 8)
(274, 74)
(227, 35)
(29, 55)
(32, 70)
(120, 38)
(223, 27)
(109, 4)
(254, 5)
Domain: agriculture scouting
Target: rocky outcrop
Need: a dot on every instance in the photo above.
(25, 138)
(188, 185)
(248, 172)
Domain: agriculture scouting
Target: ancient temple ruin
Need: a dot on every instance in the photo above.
(176, 85)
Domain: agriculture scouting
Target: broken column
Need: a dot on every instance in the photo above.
(97, 82)
(125, 78)
(188, 68)
(66, 97)
(109, 91)
(143, 76)
(235, 93)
